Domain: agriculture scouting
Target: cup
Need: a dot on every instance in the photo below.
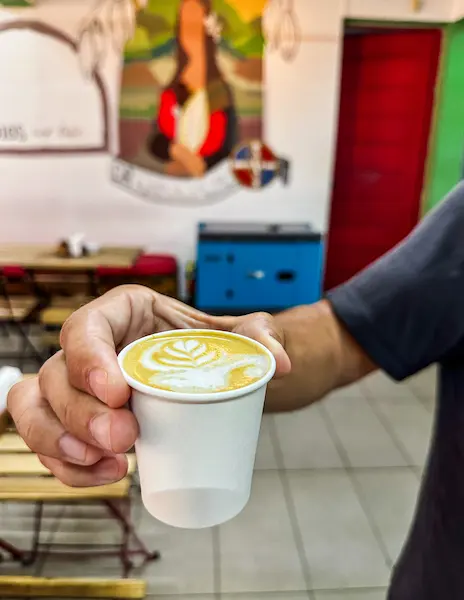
(196, 451)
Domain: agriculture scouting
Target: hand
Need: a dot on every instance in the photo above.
(74, 415)
(194, 164)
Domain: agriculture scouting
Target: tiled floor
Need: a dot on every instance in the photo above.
(333, 495)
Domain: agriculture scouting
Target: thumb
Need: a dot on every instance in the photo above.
(263, 328)
(91, 358)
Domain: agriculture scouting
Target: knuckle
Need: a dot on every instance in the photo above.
(28, 431)
(263, 316)
(65, 329)
(66, 416)
(48, 368)
(16, 392)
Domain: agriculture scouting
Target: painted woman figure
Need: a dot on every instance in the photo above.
(196, 126)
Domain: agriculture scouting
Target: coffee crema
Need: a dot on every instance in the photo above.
(196, 362)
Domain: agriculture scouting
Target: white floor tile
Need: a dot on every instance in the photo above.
(410, 423)
(391, 496)
(424, 386)
(382, 386)
(176, 597)
(426, 380)
(258, 550)
(265, 455)
(86, 524)
(267, 596)
(305, 441)
(365, 440)
(16, 527)
(63, 564)
(186, 565)
(339, 545)
(352, 595)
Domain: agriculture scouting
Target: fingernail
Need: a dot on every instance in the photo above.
(73, 448)
(98, 383)
(100, 430)
(108, 472)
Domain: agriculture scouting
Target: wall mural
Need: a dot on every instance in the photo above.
(17, 3)
(192, 94)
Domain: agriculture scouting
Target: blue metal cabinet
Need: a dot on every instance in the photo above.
(243, 268)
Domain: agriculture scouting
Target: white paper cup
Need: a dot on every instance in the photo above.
(196, 452)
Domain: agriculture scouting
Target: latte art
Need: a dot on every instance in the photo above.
(209, 362)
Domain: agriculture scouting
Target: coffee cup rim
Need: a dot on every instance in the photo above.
(192, 398)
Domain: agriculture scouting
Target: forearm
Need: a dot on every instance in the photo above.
(324, 357)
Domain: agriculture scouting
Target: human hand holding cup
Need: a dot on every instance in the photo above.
(75, 414)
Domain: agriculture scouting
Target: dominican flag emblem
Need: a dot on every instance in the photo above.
(255, 166)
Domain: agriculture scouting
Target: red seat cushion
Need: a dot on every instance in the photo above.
(155, 265)
(14, 272)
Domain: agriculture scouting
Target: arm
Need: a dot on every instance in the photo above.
(324, 356)
(403, 313)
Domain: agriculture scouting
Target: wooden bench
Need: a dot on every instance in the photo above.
(23, 478)
(48, 489)
(60, 309)
(17, 313)
(16, 308)
(37, 587)
(21, 463)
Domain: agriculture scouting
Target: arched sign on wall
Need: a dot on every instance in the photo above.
(42, 84)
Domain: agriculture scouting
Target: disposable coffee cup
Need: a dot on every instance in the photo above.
(196, 451)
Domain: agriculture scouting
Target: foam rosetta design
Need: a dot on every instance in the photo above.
(194, 365)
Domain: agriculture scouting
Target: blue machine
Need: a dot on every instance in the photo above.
(245, 267)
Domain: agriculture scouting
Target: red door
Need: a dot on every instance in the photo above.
(387, 98)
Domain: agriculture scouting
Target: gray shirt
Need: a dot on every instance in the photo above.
(407, 312)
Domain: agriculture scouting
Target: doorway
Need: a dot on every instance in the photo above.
(386, 106)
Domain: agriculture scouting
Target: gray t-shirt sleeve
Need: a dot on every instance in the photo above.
(407, 309)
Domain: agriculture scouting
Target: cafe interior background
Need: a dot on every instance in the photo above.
(336, 127)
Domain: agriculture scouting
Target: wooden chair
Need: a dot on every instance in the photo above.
(23, 478)
(53, 317)
(17, 314)
(37, 587)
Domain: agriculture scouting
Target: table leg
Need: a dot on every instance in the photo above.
(18, 326)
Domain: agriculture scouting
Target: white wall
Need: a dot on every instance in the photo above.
(45, 198)
(434, 11)
(458, 10)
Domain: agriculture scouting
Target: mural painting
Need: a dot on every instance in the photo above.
(192, 94)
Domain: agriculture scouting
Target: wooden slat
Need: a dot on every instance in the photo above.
(29, 464)
(17, 308)
(61, 309)
(37, 587)
(44, 257)
(49, 489)
(55, 317)
(12, 442)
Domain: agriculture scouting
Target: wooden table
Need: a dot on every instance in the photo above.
(37, 260)
(37, 257)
